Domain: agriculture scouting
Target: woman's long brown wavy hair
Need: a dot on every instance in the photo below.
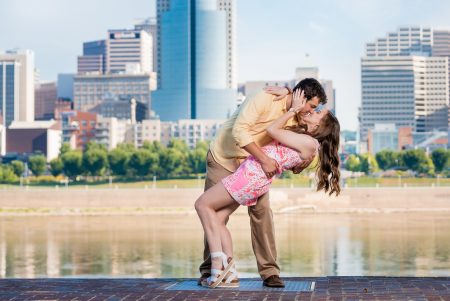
(327, 134)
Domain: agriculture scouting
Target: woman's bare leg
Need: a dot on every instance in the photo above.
(225, 235)
(208, 205)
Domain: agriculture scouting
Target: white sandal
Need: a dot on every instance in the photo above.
(218, 275)
(231, 280)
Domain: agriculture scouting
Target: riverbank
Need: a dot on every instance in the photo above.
(181, 201)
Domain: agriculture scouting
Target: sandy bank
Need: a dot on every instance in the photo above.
(176, 201)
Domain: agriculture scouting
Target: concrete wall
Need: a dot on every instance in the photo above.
(282, 200)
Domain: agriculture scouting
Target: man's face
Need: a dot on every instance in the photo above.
(310, 105)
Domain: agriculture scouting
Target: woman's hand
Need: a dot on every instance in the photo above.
(298, 100)
(304, 164)
(279, 92)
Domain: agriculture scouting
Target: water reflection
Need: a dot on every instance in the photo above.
(171, 246)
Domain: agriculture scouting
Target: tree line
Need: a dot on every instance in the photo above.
(417, 160)
(175, 160)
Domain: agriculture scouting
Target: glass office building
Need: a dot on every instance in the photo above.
(193, 63)
(16, 86)
(7, 78)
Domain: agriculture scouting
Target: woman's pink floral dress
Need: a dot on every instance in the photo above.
(249, 181)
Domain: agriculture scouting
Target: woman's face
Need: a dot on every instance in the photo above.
(313, 120)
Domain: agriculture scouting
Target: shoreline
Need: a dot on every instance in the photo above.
(22, 212)
(157, 213)
(62, 202)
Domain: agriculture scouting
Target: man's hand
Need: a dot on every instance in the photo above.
(270, 167)
(279, 92)
(305, 163)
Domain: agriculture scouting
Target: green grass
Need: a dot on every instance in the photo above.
(395, 182)
(296, 181)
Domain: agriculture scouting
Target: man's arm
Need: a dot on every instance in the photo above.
(245, 121)
(269, 165)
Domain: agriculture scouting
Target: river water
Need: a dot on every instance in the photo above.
(397, 244)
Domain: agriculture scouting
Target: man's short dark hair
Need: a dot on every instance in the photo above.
(312, 89)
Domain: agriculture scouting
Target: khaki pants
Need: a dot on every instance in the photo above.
(261, 224)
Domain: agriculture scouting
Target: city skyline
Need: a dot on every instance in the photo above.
(335, 38)
(405, 81)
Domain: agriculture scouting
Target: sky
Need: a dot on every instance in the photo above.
(272, 36)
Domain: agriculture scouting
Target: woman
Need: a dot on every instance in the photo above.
(318, 135)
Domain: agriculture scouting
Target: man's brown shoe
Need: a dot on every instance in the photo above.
(203, 278)
(273, 281)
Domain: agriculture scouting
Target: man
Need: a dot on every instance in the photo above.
(242, 135)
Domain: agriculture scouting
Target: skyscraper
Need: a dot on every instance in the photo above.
(229, 7)
(93, 58)
(149, 25)
(45, 100)
(17, 86)
(161, 7)
(307, 70)
(91, 90)
(402, 83)
(441, 43)
(65, 86)
(441, 47)
(193, 72)
(404, 42)
(130, 49)
(331, 94)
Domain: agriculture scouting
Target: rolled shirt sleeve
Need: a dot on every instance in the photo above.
(248, 117)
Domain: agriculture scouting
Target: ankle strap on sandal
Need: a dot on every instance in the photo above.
(217, 254)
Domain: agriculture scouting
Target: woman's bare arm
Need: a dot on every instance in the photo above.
(302, 143)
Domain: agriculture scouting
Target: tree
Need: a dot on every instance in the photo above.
(353, 163)
(441, 159)
(72, 161)
(65, 147)
(387, 159)
(416, 160)
(128, 147)
(118, 161)
(93, 145)
(149, 145)
(95, 160)
(171, 163)
(18, 167)
(202, 145)
(428, 167)
(179, 145)
(197, 159)
(155, 147)
(7, 174)
(143, 162)
(56, 167)
(173, 160)
(368, 164)
(37, 164)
